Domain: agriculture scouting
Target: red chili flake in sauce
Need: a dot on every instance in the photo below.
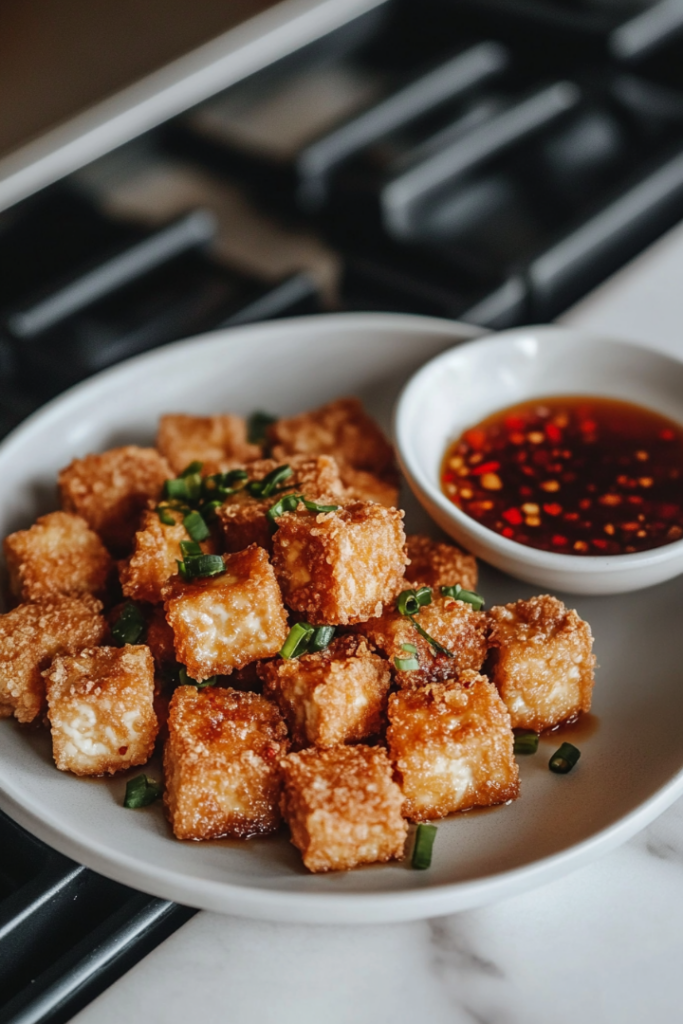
(605, 447)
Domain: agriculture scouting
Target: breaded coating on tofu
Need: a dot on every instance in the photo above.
(452, 746)
(220, 442)
(221, 623)
(334, 696)
(342, 429)
(155, 553)
(363, 486)
(434, 564)
(339, 567)
(58, 555)
(454, 624)
(243, 517)
(111, 490)
(101, 709)
(543, 665)
(30, 637)
(222, 763)
(160, 640)
(343, 807)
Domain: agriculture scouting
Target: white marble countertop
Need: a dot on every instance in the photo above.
(602, 945)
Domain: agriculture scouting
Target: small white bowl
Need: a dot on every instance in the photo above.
(465, 384)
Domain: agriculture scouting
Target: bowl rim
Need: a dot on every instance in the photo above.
(486, 538)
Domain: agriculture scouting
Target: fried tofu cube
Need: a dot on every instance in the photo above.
(110, 491)
(543, 661)
(222, 763)
(330, 697)
(101, 709)
(58, 555)
(343, 807)
(217, 441)
(223, 622)
(452, 746)
(434, 564)
(339, 567)
(156, 551)
(453, 624)
(363, 486)
(243, 517)
(343, 429)
(159, 639)
(31, 635)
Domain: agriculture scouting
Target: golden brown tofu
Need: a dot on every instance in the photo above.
(58, 555)
(160, 641)
(363, 486)
(101, 709)
(243, 517)
(434, 564)
(343, 807)
(155, 553)
(543, 665)
(220, 442)
(334, 696)
(222, 763)
(344, 430)
(452, 746)
(30, 637)
(224, 622)
(111, 490)
(453, 624)
(339, 567)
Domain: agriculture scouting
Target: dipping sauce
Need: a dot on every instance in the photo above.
(575, 475)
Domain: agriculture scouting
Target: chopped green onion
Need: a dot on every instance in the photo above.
(165, 516)
(208, 509)
(186, 680)
(456, 592)
(196, 527)
(222, 484)
(141, 791)
(287, 504)
(406, 664)
(198, 566)
(321, 638)
(526, 742)
(189, 548)
(191, 470)
(257, 425)
(269, 484)
(411, 648)
(406, 603)
(129, 628)
(430, 639)
(312, 506)
(564, 759)
(424, 843)
(187, 488)
(297, 640)
(424, 596)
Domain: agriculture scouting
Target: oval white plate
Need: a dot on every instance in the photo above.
(631, 769)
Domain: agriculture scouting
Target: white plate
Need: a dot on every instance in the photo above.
(631, 768)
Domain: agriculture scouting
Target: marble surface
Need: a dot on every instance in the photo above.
(601, 945)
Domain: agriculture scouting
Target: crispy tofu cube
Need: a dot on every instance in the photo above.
(342, 429)
(243, 517)
(224, 622)
(543, 665)
(154, 560)
(222, 763)
(453, 624)
(30, 637)
(111, 490)
(58, 555)
(217, 441)
(363, 486)
(334, 696)
(339, 567)
(343, 807)
(434, 564)
(160, 641)
(101, 709)
(452, 746)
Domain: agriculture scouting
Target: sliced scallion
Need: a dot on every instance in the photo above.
(141, 792)
(196, 527)
(270, 483)
(411, 648)
(430, 639)
(191, 470)
(424, 844)
(287, 504)
(297, 640)
(320, 639)
(313, 506)
(257, 426)
(130, 626)
(469, 596)
(406, 664)
(186, 680)
(189, 548)
(198, 566)
(564, 759)
(165, 515)
(526, 742)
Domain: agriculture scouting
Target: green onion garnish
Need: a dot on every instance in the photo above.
(165, 516)
(526, 742)
(564, 759)
(198, 566)
(208, 509)
(191, 470)
(312, 506)
(190, 548)
(287, 504)
(195, 526)
(411, 648)
(430, 639)
(188, 488)
(257, 426)
(186, 680)
(406, 664)
(222, 484)
(129, 628)
(141, 791)
(321, 638)
(297, 640)
(409, 602)
(424, 843)
(456, 592)
(270, 483)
